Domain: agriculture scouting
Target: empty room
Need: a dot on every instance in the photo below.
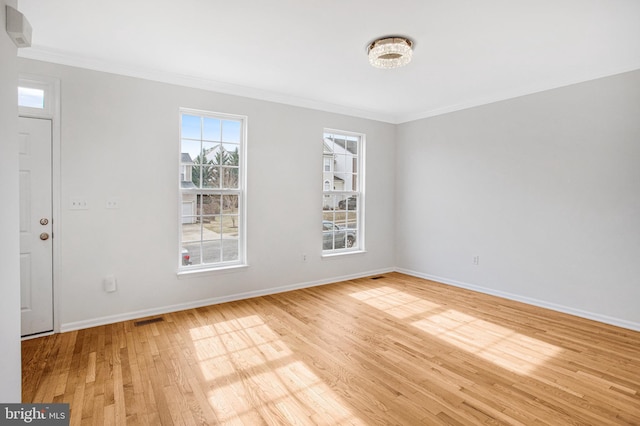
(166, 168)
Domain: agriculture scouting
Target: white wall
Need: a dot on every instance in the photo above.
(544, 188)
(120, 139)
(10, 384)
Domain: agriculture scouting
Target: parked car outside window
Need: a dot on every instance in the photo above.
(334, 236)
(351, 202)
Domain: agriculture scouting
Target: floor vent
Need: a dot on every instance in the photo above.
(148, 321)
(377, 278)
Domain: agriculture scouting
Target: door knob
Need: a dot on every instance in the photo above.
(44, 221)
(44, 236)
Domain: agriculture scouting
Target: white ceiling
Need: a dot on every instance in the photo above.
(312, 53)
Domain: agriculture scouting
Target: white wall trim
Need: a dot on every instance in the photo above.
(515, 93)
(528, 300)
(63, 58)
(78, 325)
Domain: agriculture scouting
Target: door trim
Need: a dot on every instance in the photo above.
(51, 87)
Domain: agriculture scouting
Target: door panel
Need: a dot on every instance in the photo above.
(36, 247)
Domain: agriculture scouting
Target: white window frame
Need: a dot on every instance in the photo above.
(241, 191)
(360, 193)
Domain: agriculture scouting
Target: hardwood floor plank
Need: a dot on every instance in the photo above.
(395, 350)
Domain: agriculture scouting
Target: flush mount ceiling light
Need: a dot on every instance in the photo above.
(390, 52)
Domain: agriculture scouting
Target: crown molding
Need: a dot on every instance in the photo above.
(517, 93)
(39, 53)
(65, 58)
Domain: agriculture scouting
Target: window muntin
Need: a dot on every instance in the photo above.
(211, 190)
(342, 206)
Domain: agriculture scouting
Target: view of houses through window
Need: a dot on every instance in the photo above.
(342, 198)
(211, 190)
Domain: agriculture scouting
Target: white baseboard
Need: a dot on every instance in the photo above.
(530, 301)
(78, 325)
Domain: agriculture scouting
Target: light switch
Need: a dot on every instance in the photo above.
(77, 203)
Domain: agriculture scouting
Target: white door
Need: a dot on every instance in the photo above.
(36, 247)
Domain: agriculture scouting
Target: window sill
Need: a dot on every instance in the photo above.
(193, 273)
(341, 254)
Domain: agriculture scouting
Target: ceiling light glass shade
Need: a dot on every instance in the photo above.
(391, 52)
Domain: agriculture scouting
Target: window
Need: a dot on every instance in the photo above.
(30, 97)
(36, 96)
(212, 190)
(343, 194)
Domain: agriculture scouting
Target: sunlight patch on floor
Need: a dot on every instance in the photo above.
(247, 365)
(502, 346)
(394, 302)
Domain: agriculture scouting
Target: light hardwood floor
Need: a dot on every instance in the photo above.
(392, 350)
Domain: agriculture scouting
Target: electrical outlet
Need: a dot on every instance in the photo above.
(304, 257)
(476, 260)
(113, 203)
(110, 284)
(78, 204)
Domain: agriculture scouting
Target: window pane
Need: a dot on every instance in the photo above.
(211, 129)
(211, 227)
(327, 219)
(340, 220)
(231, 131)
(211, 252)
(190, 127)
(189, 148)
(347, 203)
(188, 209)
(355, 182)
(327, 238)
(352, 147)
(216, 155)
(231, 154)
(352, 219)
(196, 176)
(190, 254)
(230, 204)
(229, 249)
(230, 225)
(191, 230)
(339, 163)
(209, 150)
(327, 202)
(230, 177)
(351, 238)
(210, 205)
(30, 98)
(210, 177)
